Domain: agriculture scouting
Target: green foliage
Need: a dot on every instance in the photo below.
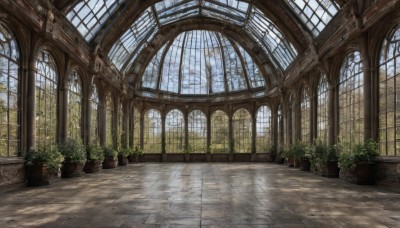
(137, 151)
(350, 156)
(94, 152)
(188, 149)
(73, 151)
(321, 154)
(124, 152)
(298, 150)
(45, 154)
(110, 152)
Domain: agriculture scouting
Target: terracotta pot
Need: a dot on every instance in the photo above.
(92, 166)
(290, 161)
(296, 163)
(37, 174)
(305, 164)
(331, 169)
(109, 163)
(365, 173)
(122, 160)
(72, 169)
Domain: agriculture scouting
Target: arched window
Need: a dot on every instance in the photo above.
(94, 125)
(242, 123)
(152, 132)
(219, 132)
(305, 116)
(263, 125)
(389, 95)
(136, 128)
(322, 110)
(74, 106)
(109, 120)
(351, 100)
(175, 132)
(9, 94)
(46, 99)
(197, 124)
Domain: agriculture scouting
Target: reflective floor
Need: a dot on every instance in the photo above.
(201, 195)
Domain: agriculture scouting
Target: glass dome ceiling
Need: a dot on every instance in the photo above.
(202, 62)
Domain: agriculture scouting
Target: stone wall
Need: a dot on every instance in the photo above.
(12, 171)
(388, 173)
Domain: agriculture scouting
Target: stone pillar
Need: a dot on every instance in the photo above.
(102, 121)
(313, 117)
(186, 117)
(163, 134)
(231, 139)
(125, 128)
(131, 126)
(115, 121)
(208, 131)
(30, 106)
(367, 86)
(142, 130)
(62, 111)
(88, 135)
(331, 115)
(253, 131)
(274, 128)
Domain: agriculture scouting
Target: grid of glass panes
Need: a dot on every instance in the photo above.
(152, 129)
(254, 75)
(242, 131)
(261, 28)
(197, 126)
(174, 132)
(46, 99)
(169, 11)
(351, 100)
(9, 94)
(234, 11)
(136, 128)
(263, 129)
(143, 29)
(315, 14)
(305, 116)
(88, 16)
(109, 121)
(322, 110)
(94, 121)
(151, 73)
(233, 66)
(389, 95)
(74, 106)
(171, 67)
(219, 132)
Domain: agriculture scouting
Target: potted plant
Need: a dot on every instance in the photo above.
(280, 158)
(299, 152)
(134, 155)
(110, 158)
(74, 158)
(41, 163)
(324, 160)
(289, 158)
(123, 156)
(94, 157)
(358, 161)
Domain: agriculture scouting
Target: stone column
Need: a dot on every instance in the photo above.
(274, 127)
(163, 134)
(231, 139)
(208, 131)
(253, 131)
(102, 121)
(367, 86)
(186, 117)
(115, 121)
(332, 114)
(30, 106)
(125, 128)
(87, 134)
(63, 111)
(142, 130)
(313, 117)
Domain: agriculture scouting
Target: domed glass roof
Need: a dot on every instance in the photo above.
(202, 62)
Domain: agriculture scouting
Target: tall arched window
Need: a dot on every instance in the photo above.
(197, 124)
(109, 120)
(94, 121)
(351, 99)
(389, 95)
(242, 123)
(305, 116)
(322, 110)
(46, 99)
(175, 132)
(152, 132)
(9, 94)
(264, 136)
(219, 132)
(136, 128)
(74, 106)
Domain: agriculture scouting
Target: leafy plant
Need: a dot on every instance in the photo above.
(73, 151)
(298, 150)
(320, 154)
(94, 152)
(350, 156)
(45, 154)
(110, 152)
(137, 151)
(124, 152)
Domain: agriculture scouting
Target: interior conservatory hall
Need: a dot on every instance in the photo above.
(199, 113)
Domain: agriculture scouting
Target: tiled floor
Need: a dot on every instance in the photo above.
(201, 195)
